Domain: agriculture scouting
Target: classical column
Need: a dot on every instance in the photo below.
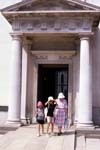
(15, 80)
(85, 87)
(25, 51)
(35, 85)
(70, 103)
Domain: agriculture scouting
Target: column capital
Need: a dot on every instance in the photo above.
(27, 42)
(16, 36)
(85, 35)
(84, 38)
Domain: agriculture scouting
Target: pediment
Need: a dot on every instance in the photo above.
(51, 5)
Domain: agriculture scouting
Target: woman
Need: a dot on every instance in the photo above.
(60, 112)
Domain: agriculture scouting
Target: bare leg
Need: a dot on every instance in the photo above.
(48, 125)
(52, 127)
(59, 130)
(38, 130)
(42, 128)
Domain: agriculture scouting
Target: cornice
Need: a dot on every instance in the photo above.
(28, 3)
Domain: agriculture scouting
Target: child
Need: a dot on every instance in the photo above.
(50, 117)
(40, 117)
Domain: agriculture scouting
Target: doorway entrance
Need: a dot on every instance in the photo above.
(52, 79)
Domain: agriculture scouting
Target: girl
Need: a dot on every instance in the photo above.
(50, 117)
(40, 117)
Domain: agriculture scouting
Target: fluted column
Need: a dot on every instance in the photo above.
(15, 80)
(85, 87)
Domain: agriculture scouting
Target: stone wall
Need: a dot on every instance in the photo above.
(96, 76)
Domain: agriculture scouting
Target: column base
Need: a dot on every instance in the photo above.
(15, 124)
(25, 121)
(85, 126)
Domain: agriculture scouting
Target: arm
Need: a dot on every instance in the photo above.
(47, 103)
(36, 113)
(55, 101)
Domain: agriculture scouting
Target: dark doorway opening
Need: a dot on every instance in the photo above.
(52, 79)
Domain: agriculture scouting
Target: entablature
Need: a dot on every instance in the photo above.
(52, 56)
(55, 24)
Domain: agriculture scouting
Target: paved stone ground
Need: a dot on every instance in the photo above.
(88, 139)
(24, 138)
(88, 143)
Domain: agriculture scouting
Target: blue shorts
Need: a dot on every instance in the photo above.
(40, 121)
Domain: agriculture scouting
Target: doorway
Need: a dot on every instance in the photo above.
(52, 79)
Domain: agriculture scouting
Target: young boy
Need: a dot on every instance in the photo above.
(50, 116)
(40, 117)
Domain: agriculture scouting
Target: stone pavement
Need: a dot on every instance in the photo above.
(24, 138)
(87, 139)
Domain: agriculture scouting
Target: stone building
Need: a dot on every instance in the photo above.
(55, 48)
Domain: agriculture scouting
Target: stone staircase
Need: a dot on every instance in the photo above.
(87, 139)
(24, 138)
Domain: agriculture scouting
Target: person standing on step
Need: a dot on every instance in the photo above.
(60, 112)
(40, 117)
(50, 114)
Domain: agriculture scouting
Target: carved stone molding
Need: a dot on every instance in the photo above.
(16, 36)
(52, 56)
(40, 57)
(53, 24)
(64, 57)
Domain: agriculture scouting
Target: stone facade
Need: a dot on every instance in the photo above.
(54, 33)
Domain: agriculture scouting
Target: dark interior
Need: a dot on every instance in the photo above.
(52, 79)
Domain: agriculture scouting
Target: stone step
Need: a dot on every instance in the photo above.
(87, 131)
(93, 136)
(8, 128)
(55, 142)
(69, 142)
(6, 139)
(18, 138)
(3, 132)
(24, 138)
(80, 148)
(65, 141)
(92, 148)
(80, 141)
(92, 142)
(5, 129)
(87, 140)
